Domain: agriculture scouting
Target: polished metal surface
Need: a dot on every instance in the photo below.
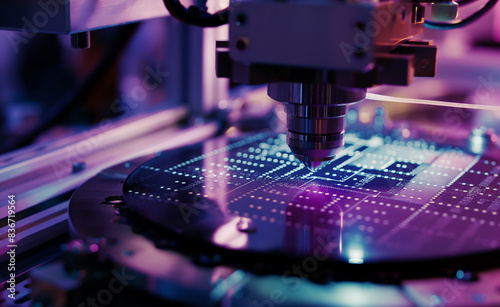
(337, 36)
(316, 151)
(315, 118)
(314, 94)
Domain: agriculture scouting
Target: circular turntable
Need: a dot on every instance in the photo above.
(384, 210)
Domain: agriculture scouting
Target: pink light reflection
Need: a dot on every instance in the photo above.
(228, 236)
(94, 248)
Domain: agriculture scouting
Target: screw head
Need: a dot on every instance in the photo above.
(242, 43)
(241, 19)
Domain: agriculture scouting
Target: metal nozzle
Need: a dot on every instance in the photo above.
(315, 118)
(314, 164)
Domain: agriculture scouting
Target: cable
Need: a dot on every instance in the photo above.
(460, 23)
(196, 16)
(378, 97)
(71, 99)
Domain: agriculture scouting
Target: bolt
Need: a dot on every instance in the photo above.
(242, 43)
(241, 20)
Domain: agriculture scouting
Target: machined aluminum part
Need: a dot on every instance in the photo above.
(315, 118)
(319, 34)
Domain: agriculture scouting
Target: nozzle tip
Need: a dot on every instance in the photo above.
(314, 165)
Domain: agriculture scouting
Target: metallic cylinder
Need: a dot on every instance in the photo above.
(315, 118)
